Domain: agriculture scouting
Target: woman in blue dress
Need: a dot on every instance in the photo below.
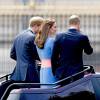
(44, 42)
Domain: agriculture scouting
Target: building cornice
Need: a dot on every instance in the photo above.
(49, 9)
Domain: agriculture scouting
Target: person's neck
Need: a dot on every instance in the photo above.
(51, 35)
(31, 30)
(74, 27)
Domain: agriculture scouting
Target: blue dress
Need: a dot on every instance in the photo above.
(46, 75)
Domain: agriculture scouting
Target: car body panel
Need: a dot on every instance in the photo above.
(89, 83)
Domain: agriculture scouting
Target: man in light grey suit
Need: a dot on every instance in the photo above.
(24, 52)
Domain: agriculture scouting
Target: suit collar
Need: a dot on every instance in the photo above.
(73, 30)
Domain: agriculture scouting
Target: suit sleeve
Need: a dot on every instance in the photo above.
(36, 56)
(34, 50)
(13, 52)
(87, 46)
(55, 56)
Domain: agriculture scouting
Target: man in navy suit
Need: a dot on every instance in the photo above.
(24, 52)
(68, 50)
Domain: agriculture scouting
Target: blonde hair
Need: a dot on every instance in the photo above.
(37, 20)
(42, 36)
(74, 20)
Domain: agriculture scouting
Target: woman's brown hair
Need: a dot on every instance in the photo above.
(42, 35)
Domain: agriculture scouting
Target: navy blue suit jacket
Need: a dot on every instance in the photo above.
(67, 53)
(25, 54)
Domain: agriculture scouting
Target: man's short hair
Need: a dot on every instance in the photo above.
(37, 20)
(74, 19)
